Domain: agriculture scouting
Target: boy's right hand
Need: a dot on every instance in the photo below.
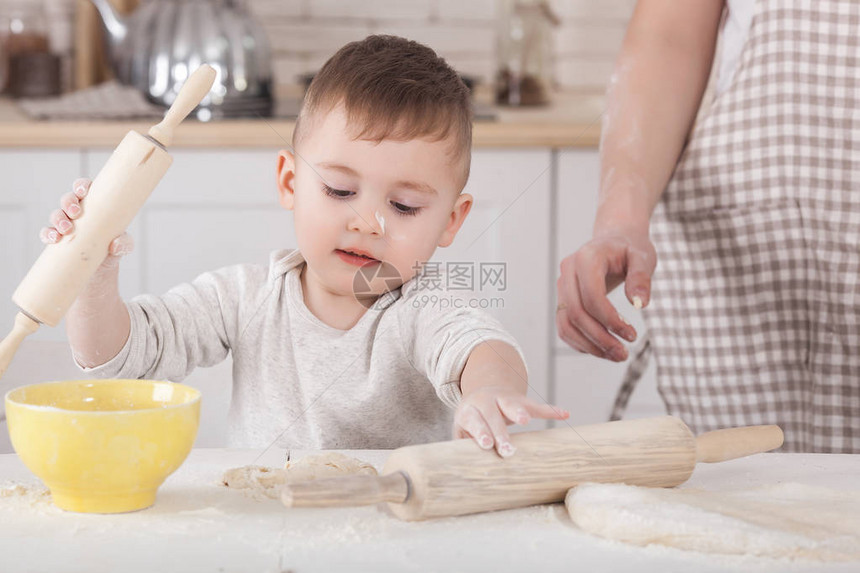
(62, 223)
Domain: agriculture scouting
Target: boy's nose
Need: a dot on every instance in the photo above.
(364, 221)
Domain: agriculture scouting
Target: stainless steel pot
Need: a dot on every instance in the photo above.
(158, 46)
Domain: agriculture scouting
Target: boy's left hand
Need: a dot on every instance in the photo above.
(485, 413)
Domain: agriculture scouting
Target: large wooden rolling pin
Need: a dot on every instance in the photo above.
(117, 193)
(457, 477)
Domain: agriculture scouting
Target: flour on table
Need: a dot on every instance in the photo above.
(786, 520)
(30, 491)
(25, 495)
(260, 480)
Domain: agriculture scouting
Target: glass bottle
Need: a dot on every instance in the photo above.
(23, 30)
(524, 52)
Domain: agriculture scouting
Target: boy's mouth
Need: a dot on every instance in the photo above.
(356, 257)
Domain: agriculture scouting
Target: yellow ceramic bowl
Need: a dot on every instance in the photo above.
(103, 446)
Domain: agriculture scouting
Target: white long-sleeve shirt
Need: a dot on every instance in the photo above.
(390, 380)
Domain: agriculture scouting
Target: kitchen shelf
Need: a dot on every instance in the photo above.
(573, 121)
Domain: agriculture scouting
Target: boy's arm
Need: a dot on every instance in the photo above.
(494, 385)
(474, 363)
(153, 337)
(98, 324)
(193, 324)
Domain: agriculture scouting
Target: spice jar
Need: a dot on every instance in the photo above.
(524, 53)
(30, 69)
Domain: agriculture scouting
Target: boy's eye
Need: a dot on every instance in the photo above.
(404, 209)
(336, 193)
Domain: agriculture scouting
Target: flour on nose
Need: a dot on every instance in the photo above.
(381, 220)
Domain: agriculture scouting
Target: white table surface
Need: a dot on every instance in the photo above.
(199, 525)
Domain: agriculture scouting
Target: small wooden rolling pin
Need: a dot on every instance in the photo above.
(117, 193)
(457, 477)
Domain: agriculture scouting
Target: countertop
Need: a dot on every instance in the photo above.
(572, 120)
(199, 525)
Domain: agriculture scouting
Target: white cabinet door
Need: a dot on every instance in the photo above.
(14, 249)
(507, 235)
(584, 384)
(33, 182)
(213, 208)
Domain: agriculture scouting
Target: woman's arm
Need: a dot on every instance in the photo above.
(652, 100)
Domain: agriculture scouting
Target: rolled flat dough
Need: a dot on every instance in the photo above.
(785, 520)
(269, 481)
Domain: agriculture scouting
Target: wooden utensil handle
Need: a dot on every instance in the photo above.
(347, 491)
(24, 326)
(731, 443)
(192, 91)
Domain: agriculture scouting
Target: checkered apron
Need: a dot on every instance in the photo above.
(755, 311)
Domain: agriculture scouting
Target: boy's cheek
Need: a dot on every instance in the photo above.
(410, 262)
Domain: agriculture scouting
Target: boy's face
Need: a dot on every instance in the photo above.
(393, 201)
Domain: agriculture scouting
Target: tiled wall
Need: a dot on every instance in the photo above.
(304, 33)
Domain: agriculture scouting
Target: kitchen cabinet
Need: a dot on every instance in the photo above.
(212, 209)
(33, 181)
(218, 207)
(584, 384)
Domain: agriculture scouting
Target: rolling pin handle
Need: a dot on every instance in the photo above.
(192, 91)
(347, 491)
(731, 443)
(24, 326)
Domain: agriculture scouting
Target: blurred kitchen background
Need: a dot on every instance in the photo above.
(304, 33)
(535, 170)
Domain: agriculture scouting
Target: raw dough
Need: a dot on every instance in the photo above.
(786, 520)
(24, 490)
(268, 481)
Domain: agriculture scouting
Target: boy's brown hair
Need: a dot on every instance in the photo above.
(393, 88)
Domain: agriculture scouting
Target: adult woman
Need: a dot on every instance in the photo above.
(753, 311)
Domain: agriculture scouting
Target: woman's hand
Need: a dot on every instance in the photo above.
(585, 318)
(651, 103)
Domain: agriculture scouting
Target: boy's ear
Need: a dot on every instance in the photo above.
(458, 214)
(286, 178)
